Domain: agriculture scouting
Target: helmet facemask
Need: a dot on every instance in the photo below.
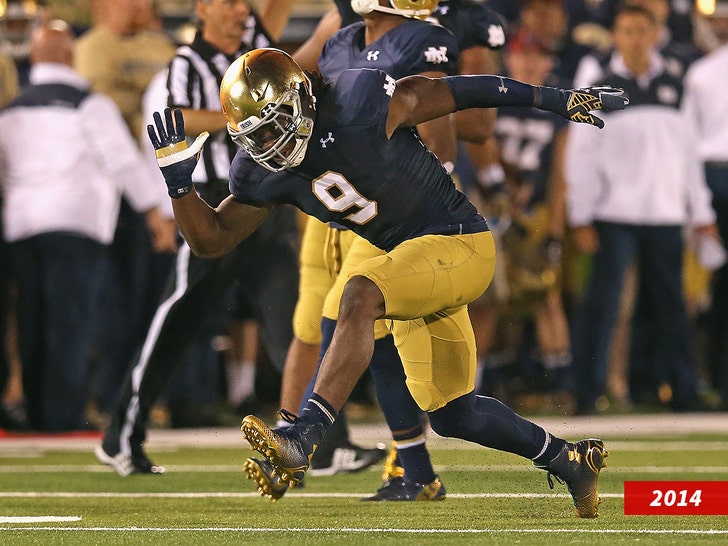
(279, 139)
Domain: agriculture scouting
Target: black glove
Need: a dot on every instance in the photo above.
(575, 104)
(176, 160)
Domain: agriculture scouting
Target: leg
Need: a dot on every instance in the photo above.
(662, 252)
(195, 285)
(317, 275)
(400, 279)
(594, 322)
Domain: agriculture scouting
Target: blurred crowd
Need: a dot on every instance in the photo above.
(611, 289)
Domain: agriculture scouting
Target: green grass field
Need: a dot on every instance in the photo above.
(493, 498)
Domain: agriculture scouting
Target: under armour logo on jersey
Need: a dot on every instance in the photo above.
(329, 139)
(496, 36)
(436, 55)
(372, 55)
(389, 85)
(502, 87)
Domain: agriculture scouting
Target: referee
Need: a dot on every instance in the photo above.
(264, 266)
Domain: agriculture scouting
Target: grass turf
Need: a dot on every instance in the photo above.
(493, 498)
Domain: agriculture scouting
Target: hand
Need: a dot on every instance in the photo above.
(586, 239)
(176, 160)
(162, 231)
(575, 104)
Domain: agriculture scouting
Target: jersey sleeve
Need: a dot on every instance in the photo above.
(363, 96)
(483, 27)
(430, 49)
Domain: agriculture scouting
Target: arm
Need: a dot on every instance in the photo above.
(199, 121)
(210, 232)
(417, 99)
(213, 232)
(307, 55)
(439, 134)
(275, 15)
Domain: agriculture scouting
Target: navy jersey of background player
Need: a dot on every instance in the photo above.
(473, 23)
(525, 136)
(384, 190)
(413, 47)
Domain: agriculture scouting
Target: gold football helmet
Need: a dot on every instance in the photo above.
(418, 9)
(270, 107)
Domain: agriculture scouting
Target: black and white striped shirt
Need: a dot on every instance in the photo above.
(193, 81)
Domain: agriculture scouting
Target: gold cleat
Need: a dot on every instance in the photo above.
(578, 466)
(281, 448)
(392, 468)
(266, 480)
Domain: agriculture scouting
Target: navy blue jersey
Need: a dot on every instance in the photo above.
(473, 23)
(413, 47)
(386, 191)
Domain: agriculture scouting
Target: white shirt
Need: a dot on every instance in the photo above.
(706, 102)
(642, 168)
(64, 168)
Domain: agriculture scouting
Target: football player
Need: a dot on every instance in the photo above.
(399, 47)
(375, 177)
(391, 38)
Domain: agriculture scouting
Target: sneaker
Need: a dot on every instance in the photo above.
(392, 465)
(402, 489)
(346, 458)
(578, 466)
(281, 447)
(125, 465)
(267, 482)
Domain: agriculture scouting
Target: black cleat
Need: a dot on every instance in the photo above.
(346, 458)
(125, 465)
(281, 447)
(578, 465)
(402, 489)
(266, 480)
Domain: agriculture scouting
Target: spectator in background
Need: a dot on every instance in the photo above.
(531, 144)
(61, 189)
(549, 22)
(8, 91)
(707, 106)
(677, 56)
(119, 55)
(631, 189)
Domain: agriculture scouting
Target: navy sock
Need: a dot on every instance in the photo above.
(413, 455)
(490, 423)
(551, 448)
(315, 419)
